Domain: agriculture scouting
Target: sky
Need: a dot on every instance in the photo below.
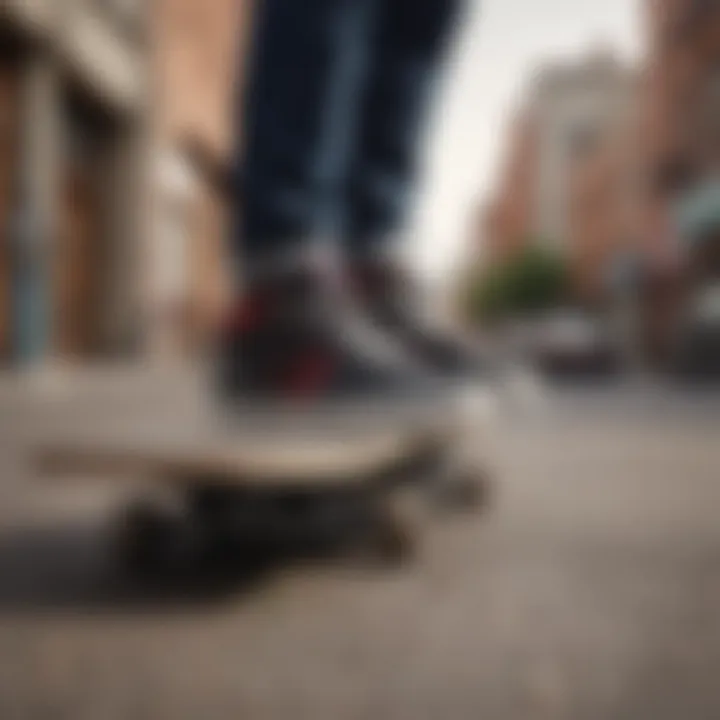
(500, 44)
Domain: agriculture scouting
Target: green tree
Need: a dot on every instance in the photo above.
(535, 279)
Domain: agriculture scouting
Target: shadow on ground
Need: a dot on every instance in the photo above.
(76, 568)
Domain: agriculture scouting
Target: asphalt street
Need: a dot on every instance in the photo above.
(589, 588)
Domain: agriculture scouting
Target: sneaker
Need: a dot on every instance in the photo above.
(389, 296)
(293, 350)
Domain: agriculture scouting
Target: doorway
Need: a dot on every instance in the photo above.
(81, 260)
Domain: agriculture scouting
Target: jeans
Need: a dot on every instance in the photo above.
(332, 117)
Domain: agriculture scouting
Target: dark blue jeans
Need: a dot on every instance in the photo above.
(332, 117)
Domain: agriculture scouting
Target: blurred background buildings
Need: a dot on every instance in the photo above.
(571, 117)
(616, 168)
(115, 150)
(198, 51)
(116, 159)
(75, 137)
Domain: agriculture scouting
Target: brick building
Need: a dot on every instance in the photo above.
(573, 112)
(683, 99)
(681, 107)
(508, 219)
(198, 50)
(115, 156)
(74, 128)
(606, 194)
(682, 104)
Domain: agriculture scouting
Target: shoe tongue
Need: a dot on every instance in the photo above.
(388, 289)
(308, 295)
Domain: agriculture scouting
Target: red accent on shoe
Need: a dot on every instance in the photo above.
(247, 314)
(309, 375)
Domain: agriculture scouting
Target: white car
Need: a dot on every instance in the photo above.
(571, 342)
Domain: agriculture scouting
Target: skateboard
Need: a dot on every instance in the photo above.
(208, 484)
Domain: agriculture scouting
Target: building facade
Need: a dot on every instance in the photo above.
(198, 62)
(605, 200)
(74, 132)
(683, 93)
(681, 108)
(577, 105)
(573, 113)
(509, 218)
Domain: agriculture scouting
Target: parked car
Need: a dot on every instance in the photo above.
(698, 344)
(572, 343)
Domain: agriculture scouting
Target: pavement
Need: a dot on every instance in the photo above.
(589, 588)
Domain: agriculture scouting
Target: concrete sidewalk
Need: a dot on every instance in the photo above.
(590, 592)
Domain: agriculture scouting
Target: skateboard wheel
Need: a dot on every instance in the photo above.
(149, 541)
(467, 490)
(394, 545)
(398, 527)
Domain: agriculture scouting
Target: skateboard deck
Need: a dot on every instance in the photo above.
(183, 435)
(233, 464)
(207, 462)
(192, 446)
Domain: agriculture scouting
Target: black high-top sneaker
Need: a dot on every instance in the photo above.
(391, 299)
(293, 350)
(389, 296)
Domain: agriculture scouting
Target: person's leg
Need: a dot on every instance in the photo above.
(288, 335)
(408, 50)
(407, 63)
(306, 68)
